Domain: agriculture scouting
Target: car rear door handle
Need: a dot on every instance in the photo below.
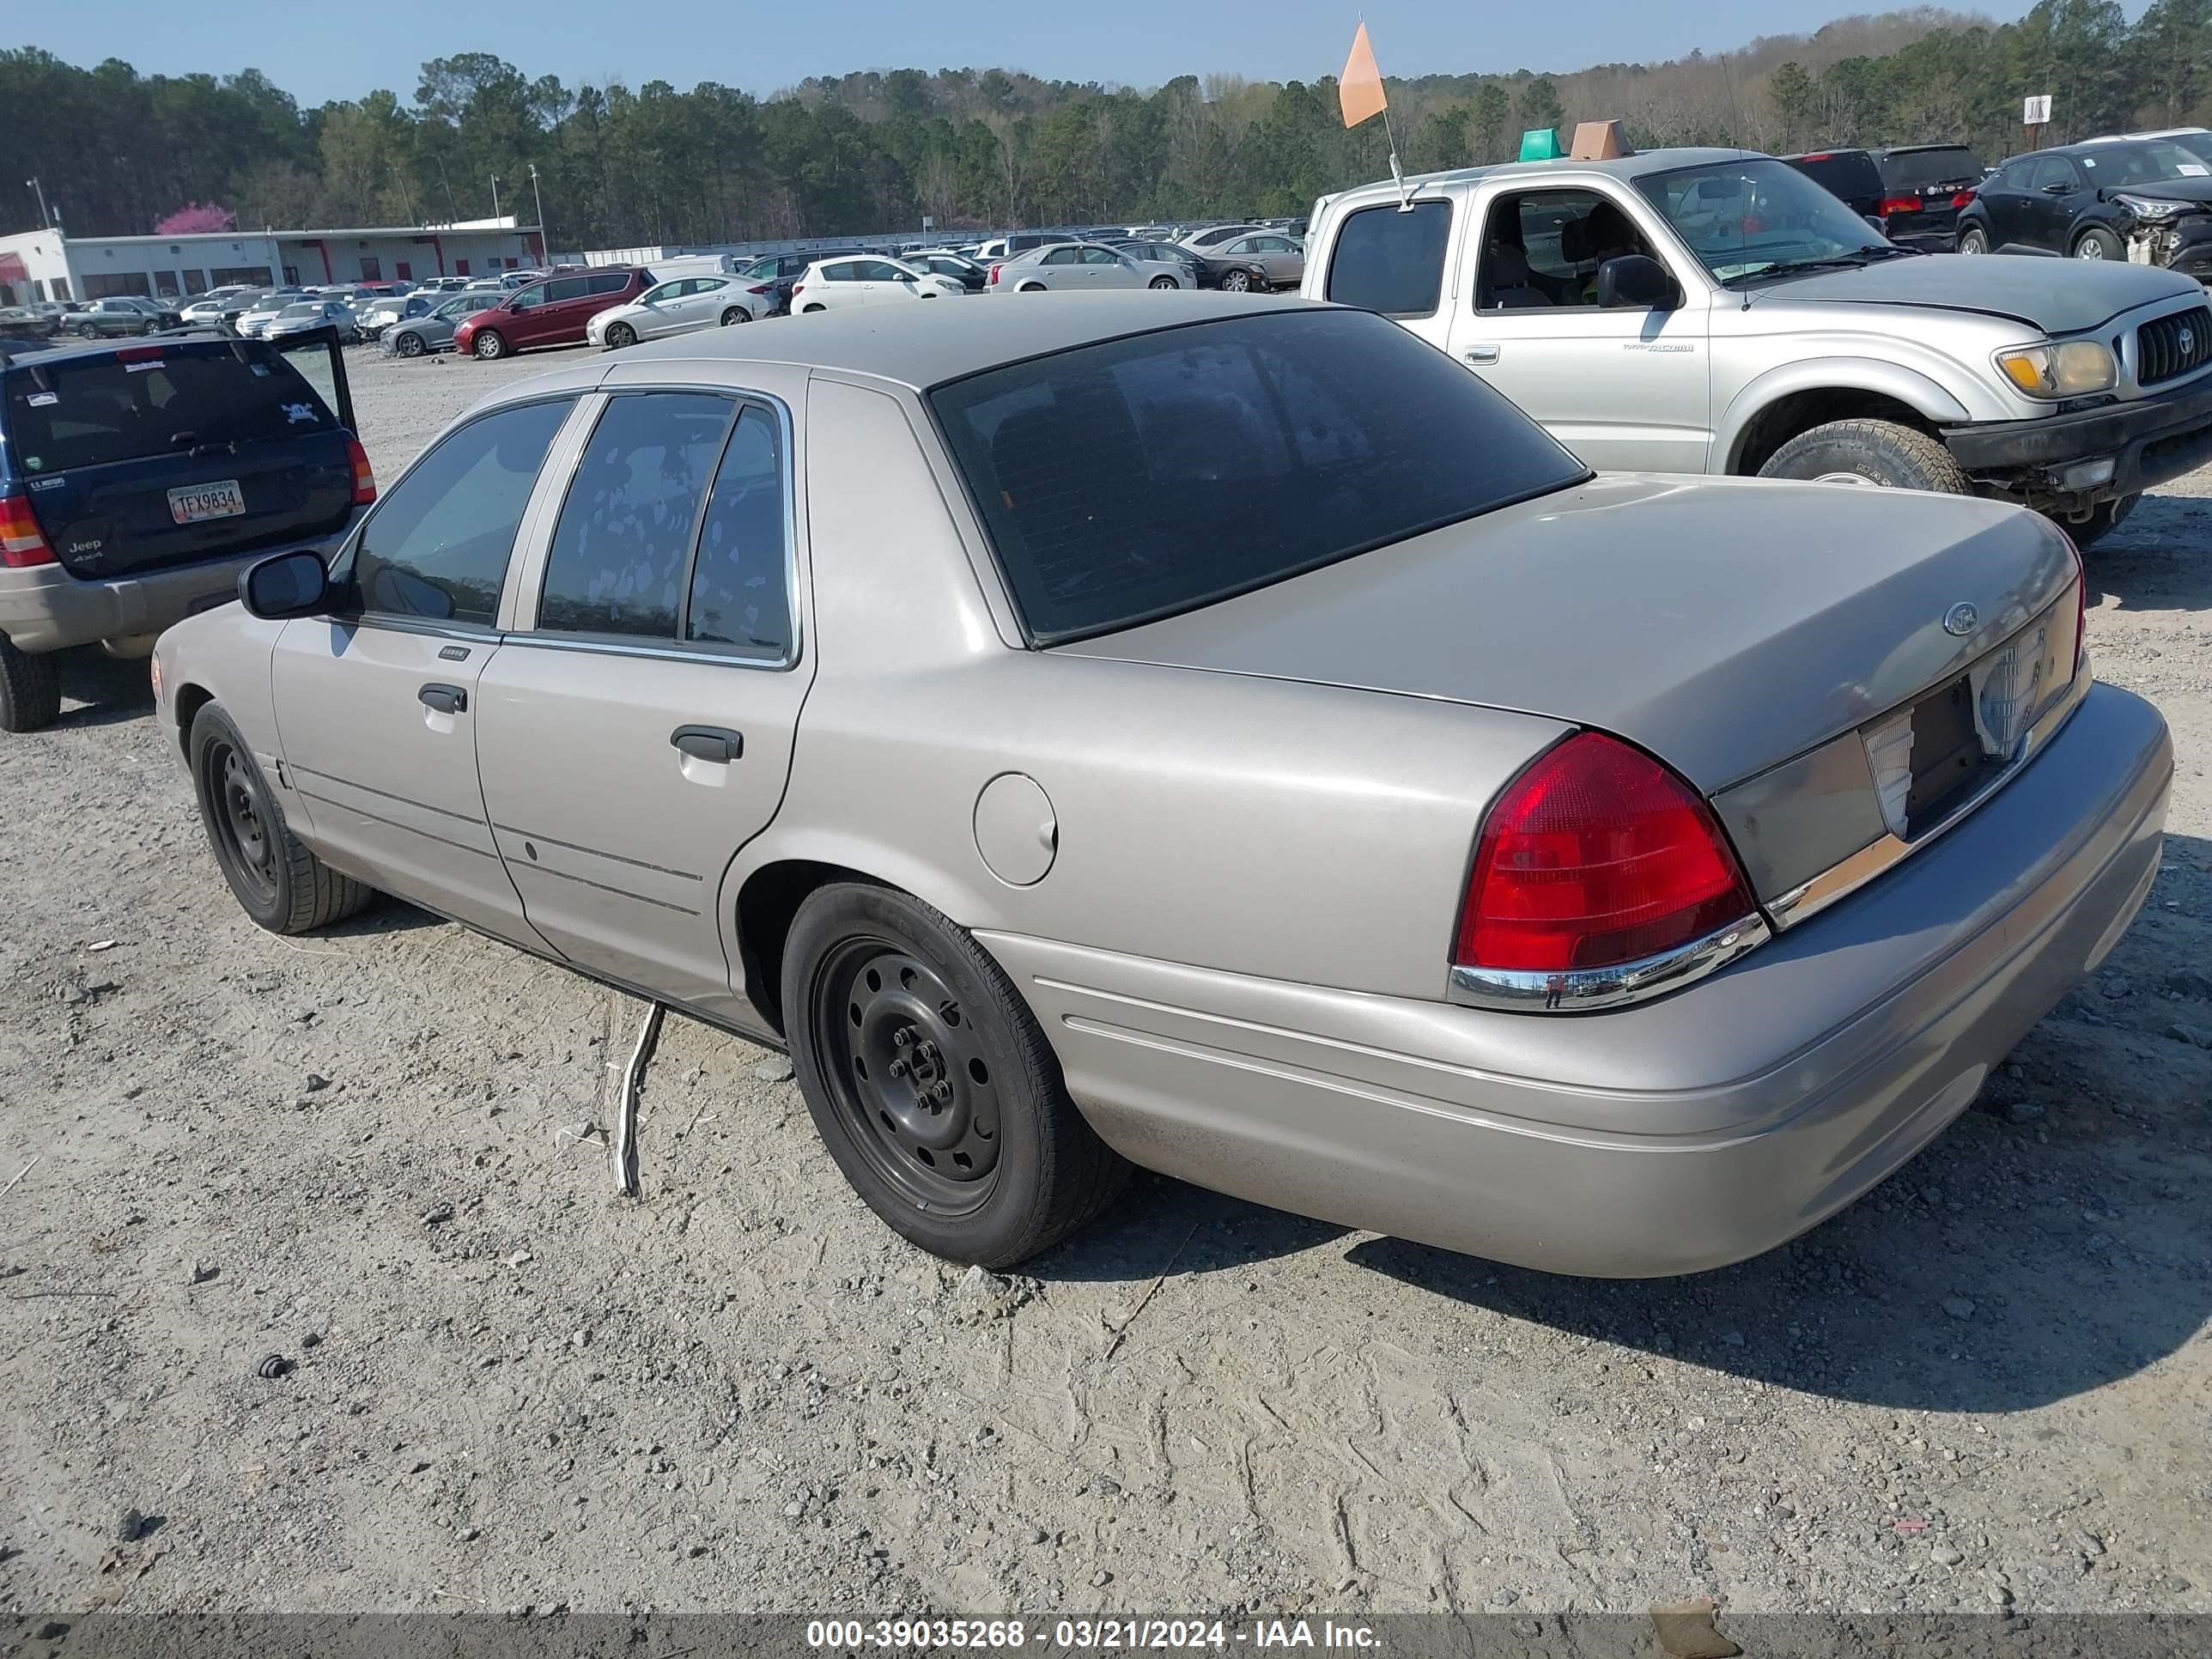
(1482, 354)
(708, 743)
(445, 699)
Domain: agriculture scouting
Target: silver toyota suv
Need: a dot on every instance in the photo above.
(1715, 311)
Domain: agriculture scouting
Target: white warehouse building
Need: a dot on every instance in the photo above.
(46, 264)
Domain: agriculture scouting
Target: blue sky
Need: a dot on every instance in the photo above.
(319, 53)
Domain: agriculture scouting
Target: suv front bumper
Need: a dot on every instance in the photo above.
(2148, 442)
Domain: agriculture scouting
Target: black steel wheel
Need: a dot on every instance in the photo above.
(277, 882)
(932, 1083)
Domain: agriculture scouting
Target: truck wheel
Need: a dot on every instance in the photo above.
(2105, 518)
(30, 689)
(2097, 243)
(277, 882)
(1868, 452)
(1973, 240)
(931, 1083)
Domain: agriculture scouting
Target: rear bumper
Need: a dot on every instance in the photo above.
(2150, 441)
(1670, 1137)
(45, 609)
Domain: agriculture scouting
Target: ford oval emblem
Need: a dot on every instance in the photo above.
(1961, 619)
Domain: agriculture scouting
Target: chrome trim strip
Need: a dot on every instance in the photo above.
(1583, 989)
(1842, 879)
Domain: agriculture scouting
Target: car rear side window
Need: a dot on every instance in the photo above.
(626, 531)
(607, 282)
(1391, 261)
(154, 400)
(1144, 477)
(741, 586)
(436, 548)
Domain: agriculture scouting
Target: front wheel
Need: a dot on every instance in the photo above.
(1973, 240)
(408, 345)
(735, 315)
(620, 336)
(2097, 243)
(30, 689)
(931, 1083)
(277, 882)
(490, 345)
(1881, 453)
(1162, 282)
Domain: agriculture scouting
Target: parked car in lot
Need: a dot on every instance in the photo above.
(306, 316)
(256, 318)
(552, 310)
(1210, 237)
(379, 315)
(1082, 267)
(2148, 202)
(412, 336)
(1924, 187)
(1196, 270)
(136, 481)
(1713, 311)
(677, 307)
(119, 315)
(1281, 259)
(1848, 175)
(866, 280)
(1684, 938)
(943, 263)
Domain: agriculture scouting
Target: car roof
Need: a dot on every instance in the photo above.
(926, 346)
(1641, 165)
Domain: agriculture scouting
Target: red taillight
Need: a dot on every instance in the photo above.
(138, 355)
(797, 288)
(1963, 197)
(22, 544)
(364, 478)
(1900, 205)
(994, 275)
(765, 287)
(1596, 855)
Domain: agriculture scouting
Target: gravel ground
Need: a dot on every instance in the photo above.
(1987, 1385)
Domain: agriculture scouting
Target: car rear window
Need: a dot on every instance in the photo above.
(1849, 175)
(1140, 478)
(1391, 261)
(1916, 169)
(151, 400)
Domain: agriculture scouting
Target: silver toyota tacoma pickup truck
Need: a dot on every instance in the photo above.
(1714, 310)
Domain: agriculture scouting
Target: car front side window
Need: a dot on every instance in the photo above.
(435, 548)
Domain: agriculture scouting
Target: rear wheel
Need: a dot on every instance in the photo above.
(150, 326)
(931, 1083)
(88, 331)
(30, 689)
(408, 345)
(277, 882)
(619, 335)
(1162, 282)
(735, 315)
(2097, 243)
(1030, 287)
(1238, 282)
(1973, 240)
(490, 345)
(807, 309)
(1881, 453)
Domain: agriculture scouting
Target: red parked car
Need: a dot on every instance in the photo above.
(549, 312)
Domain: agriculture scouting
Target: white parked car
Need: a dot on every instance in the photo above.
(1083, 267)
(866, 280)
(304, 316)
(677, 307)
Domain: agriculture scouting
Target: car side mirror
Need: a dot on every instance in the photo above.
(1637, 280)
(294, 584)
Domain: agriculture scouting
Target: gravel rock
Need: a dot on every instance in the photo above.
(1504, 1598)
(1959, 1307)
(774, 1069)
(2182, 1031)
(1947, 1556)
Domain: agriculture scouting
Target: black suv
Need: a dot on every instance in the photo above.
(1923, 186)
(1848, 175)
(138, 480)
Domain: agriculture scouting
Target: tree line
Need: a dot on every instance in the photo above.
(117, 152)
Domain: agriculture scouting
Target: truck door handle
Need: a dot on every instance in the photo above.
(1482, 354)
(445, 699)
(708, 743)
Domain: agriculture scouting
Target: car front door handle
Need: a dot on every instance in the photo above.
(445, 699)
(708, 743)
(1482, 354)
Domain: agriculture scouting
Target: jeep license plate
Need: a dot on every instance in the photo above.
(199, 502)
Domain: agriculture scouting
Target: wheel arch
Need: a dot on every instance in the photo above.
(1780, 405)
(191, 697)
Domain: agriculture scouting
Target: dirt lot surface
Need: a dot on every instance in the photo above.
(1987, 1385)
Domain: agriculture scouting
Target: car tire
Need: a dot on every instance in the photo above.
(620, 337)
(1881, 453)
(1030, 287)
(1973, 240)
(1236, 282)
(809, 310)
(277, 882)
(88, 332)
(1164, 282)
(735, 315)
(2097, 243)
(871, 974)
(489, 345)
(2105, 518)
(30, 689)
(150, 326)
(407, 345)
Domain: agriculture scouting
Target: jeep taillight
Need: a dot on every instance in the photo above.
(1596, 856)
(22, 544)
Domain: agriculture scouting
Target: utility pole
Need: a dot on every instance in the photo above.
(494, 196)
(538, 197)
(45, 217)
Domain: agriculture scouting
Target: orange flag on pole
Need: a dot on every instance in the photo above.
(1359, 88)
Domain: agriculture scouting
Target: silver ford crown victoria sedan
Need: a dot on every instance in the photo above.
(1235, 741)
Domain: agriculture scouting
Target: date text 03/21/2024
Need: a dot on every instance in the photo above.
(1083, 1635)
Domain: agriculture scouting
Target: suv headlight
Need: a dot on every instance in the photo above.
(2150, 207)
(2067, 369)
